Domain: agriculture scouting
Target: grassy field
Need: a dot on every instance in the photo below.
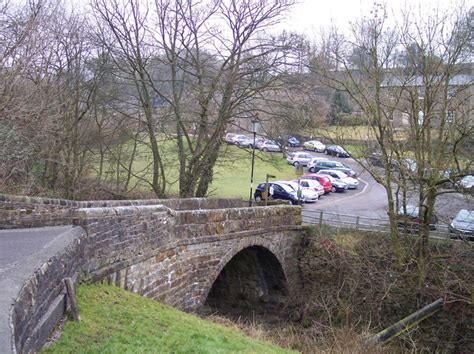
(231, 173)
(117, 321)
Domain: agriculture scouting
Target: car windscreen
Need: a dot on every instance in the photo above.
(465, 216)
(286, 187)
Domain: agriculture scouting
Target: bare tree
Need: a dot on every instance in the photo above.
(219, 59)
(408, 105)
(122, 29)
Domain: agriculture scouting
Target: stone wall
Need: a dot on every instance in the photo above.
(25, 212)
(170, 255)
(40, 302)
(175, 256)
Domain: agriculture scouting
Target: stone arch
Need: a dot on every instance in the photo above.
(252, 274)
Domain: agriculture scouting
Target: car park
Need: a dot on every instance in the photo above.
(299, 158)
(462, 225)
(314, 145)
(351, 182)
(336, 150)
(337, 185)
(293, 142)
(275, 190)
(325, 164)
(408, 219)
(306, 195)
(269, 145)
(311, 184)
(322, 179)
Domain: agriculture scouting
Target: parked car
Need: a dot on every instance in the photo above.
(337, 185)
(314, 145)
(229, 138)
(307, 195)
(324, 164)
(293, 142)
(311, 184)
(336, 150)
(299, 158)
(269, 145)
(375, 159)
(467, 183)
(243, 141)
(322, 179)
(462, 226)
(276, 191)
(408, 219)
(352, 183)
(347, 170)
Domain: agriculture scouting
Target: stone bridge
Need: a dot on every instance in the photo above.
(182, 252)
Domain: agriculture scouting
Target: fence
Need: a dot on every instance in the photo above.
(362, 223)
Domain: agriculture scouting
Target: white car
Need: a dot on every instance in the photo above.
(352, 183)
(467, 182)
(307, 195)
(314, 145)
(311, 184)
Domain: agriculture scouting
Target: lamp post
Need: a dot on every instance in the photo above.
(254, 131)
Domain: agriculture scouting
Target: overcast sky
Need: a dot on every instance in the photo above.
(309, 16)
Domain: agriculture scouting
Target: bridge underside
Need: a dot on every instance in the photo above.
(253, 282)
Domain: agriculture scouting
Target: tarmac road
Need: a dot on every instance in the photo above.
(370, 199)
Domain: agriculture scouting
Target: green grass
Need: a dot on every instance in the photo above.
(357, 132)
(117, 321)
(231, 173)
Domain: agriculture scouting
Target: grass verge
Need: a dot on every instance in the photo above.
(117, 321)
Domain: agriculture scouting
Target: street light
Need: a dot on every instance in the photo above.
(254, 131)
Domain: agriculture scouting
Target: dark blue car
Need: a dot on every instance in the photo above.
(275, 191)
(293, 142)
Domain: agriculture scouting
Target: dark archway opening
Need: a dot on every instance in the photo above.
(252, 283)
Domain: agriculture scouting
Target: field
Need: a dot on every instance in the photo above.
(231, 173)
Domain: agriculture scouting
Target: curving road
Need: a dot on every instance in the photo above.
(368, 200)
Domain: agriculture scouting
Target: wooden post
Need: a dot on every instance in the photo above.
(407, 323)
(357, 222)
(71, 296)
(320, 221)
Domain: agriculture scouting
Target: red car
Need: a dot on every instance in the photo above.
(322, 179)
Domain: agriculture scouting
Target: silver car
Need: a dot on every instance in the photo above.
(299, 158)
(352, 183)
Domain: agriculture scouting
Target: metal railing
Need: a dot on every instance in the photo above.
(362, 223)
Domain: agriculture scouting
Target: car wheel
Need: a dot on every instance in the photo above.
(264, 149)
(333, 189)
(296, 164)
(311, 169)
(258, 199)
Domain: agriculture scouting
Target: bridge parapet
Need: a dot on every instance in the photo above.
(170, 255)
(24, 212)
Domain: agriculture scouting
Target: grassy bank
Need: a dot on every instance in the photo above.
(117, 321)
